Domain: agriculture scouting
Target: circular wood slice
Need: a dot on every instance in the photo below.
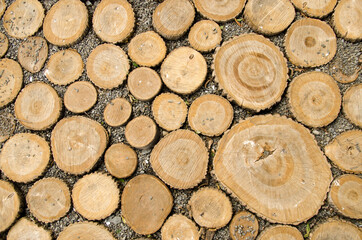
(220, 11)
(80, 97)
(144, 83)
(314, 99)
(346, 195)
(23, 18)
(2, 7)
(269, 17)
(274, 166)
(336, 230)
(32, 54)
(315, 8)
(113, 20)
(310, 42)
(211, 115)
(172, 18)
(25, 229)
(77, 143)
(179, 227)
(147, 49)
(352, 104)
(48, 199)
(205, 35)
(210, 208)
(24, 157)
(345, 151)
(347, 19)
(146, 203)
(4, 42)
(65, 22)
(252, 71)
(38, 106)
(117, 112)
(10, 205)
(64, 67)
(85, 231)
(180, 159)
(244, 226)
(141, 132)
(184, 70)
(11, 80)
(169, 111)
(107, 66)
(120, 160)
(280, 232)
(7, 125)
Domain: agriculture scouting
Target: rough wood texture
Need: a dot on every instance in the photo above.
(24, 157)
(80, 97)
(32, 54)
(274, 166)
(117, 112)
(141, 132)
(220, 11)
(85, 231)
(2, 7)
(144, 83)
(352, 104)
(180, 159)
(66, 22)
(48, 199)
(146, 203)
(77, 143)
(336, 230)
(7, 125)
(10, 205)
(11, 80)
(38, 106)
(280, 232)
(205, 35)
(120, 160)
(251, 70)
(315, 8)
(25, 229)
(179, 227)
(4, 42)
(344, 78)
(310, 42)
(244, 226)
(184, 70)
(113, 20)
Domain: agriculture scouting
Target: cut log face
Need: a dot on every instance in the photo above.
(2, 7)
(25, 229)
(24, 157)
(64, 67)
(23, 18)
(10, 205)
(180, 159)
(48, 199)
(269, 17)
(38, 106)
(252, 71)
(107, 66)
(336, 230)
(120, 160)
(310, 43)
(274, 166)
(210, 208)
(11, 80)
(219, 11)
(184, 70)
(172, 18)
(244, 226)
(345, 151)
(205, 35)
(117, 112)
(113, 20)
(80, 97)
(346, 195)
(66, 22)
(314, 8)
(141, 132)
(4, 42)
(32, 54)
(314, 99)
(146, 203)
(77, 144)
(210, 114)
(179, 227)
(7, 126)
(352, 104)
(85, 231)
(144, 83)
(280, 232)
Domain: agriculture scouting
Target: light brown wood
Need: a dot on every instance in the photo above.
(141, 132)
(32, 54)
(10, 205)
(113, 20)
(205, 35)
(219, 11)
(180, 159)
(244, 226)
(352, 104)
(345, 151)
(25, 229)
(85, 231)
(38, 106)
(184, 70)
(24, 157)
(147, 49)
(146, 203)
(252, 71)
(64, 67)
(310, 42)
(66, 22)
(280, 232)
(120, 160)
(339, 76)
(2, 7)
(23, 18)
(144, 83)
(7, 125)
(117, 112)
(172, 18)
(274, 166)
(80, 97)
(11, 80)
(269, 17)
(77, 143)
(315, 8)
(4, 42)
(48, 199)
(107, 66)
(179, 227)
(336, 230)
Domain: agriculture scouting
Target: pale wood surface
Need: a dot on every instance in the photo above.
(11, 80)
(120, 160)
(32, 54)
(2, 7)
(144, 83)
(10, 205)
(244, 226)
(280, 232)
(179, 227)
(336, 230)
(117, 112)
(80, 97)
(352, 104)
(205, 35)
(315, 8)
(7, 126)
(25, 229)
(85, 231)
(220, 11)
(4, 43)
(141, 132)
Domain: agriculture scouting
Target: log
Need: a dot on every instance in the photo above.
(179, 227)
(219, 11)
(25, 229)
(4, 42)
(280, 232)
(336, 230)
(144, 83)
(2, 7)
(205, 35)
(352, 104)
(85, 231)
(141, 132)
(32, 54)
(11, 80)
(120, 160)
(7, 125)
(117, 112)
(80, 97)
(244, 226)
(314, 8)
(10, 205)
